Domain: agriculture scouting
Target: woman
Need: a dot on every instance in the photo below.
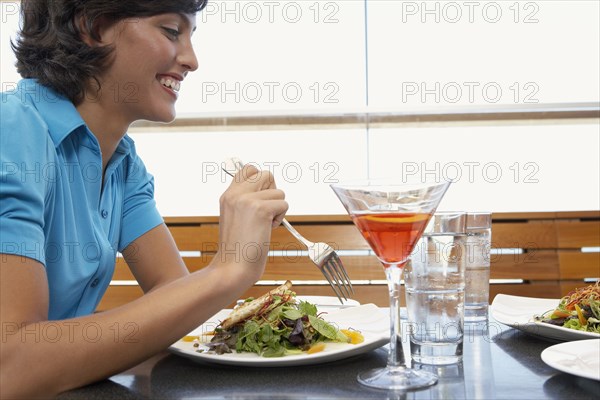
(74, 192)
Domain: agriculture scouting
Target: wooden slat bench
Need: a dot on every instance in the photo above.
(534, 254)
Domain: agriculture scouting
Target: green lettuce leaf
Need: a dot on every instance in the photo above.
(307, 309)
(327, 330)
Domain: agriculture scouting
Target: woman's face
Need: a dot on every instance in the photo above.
(151, 58)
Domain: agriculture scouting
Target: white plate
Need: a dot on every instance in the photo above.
(581, 358)
(372, 321)
(518, 312)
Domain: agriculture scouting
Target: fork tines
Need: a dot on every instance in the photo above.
(336, 275)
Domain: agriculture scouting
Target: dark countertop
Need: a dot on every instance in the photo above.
(499, 363)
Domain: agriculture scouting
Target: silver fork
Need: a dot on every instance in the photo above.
(321, 254)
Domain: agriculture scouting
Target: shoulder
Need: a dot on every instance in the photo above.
(129, 143)
(26, 153)
(22, 124)
(135, 165)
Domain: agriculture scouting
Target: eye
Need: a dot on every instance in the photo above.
(173, 33)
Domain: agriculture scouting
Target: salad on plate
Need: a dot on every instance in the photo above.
(579, 310)
(274, 325)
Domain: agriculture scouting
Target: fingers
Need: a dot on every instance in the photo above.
(257, 179)
(270, 194)
(265, 205)
(280, 216)
(253, 189)
(278, 208)
(250, 208)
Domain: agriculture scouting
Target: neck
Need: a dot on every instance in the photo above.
(108, 126)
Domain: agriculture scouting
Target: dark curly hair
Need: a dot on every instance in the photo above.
(49, 47)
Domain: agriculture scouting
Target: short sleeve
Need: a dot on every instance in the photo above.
(25, 152)
(139, 207)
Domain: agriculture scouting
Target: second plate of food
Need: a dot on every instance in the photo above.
(519, 312)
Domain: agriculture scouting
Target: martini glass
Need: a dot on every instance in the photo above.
(392, 218)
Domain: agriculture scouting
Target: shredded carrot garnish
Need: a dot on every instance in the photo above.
(582, 296)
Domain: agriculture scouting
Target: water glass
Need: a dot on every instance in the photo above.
(435, 291)
(477, 272)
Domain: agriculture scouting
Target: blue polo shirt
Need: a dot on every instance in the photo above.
(54, 207)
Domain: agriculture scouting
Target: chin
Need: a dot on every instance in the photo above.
(164, 116)
(168, 119)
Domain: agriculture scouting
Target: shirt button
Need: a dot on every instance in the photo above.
(104, 214)
(95, 282)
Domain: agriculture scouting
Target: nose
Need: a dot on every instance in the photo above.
(187, 57)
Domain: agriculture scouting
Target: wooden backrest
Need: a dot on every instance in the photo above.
(534, 254)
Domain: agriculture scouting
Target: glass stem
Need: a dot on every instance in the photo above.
(394, 276)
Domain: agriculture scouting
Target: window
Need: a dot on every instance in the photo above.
(501, 96)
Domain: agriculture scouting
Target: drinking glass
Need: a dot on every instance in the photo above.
(434, 282)
(477, 291)
(391, 217)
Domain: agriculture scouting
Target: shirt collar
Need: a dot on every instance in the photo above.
(125, 145)
(58, 112)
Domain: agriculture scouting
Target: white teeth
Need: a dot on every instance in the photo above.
(171, 83)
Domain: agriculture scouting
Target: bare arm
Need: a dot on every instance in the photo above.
(43, 358)
(154, 259)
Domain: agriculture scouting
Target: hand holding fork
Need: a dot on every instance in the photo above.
(321, 254)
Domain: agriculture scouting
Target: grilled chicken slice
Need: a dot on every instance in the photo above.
(249, 309)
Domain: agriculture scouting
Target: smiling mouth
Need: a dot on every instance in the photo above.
(170, 83)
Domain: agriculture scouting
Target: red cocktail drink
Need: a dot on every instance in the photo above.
(392, 217)
(392, 236)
